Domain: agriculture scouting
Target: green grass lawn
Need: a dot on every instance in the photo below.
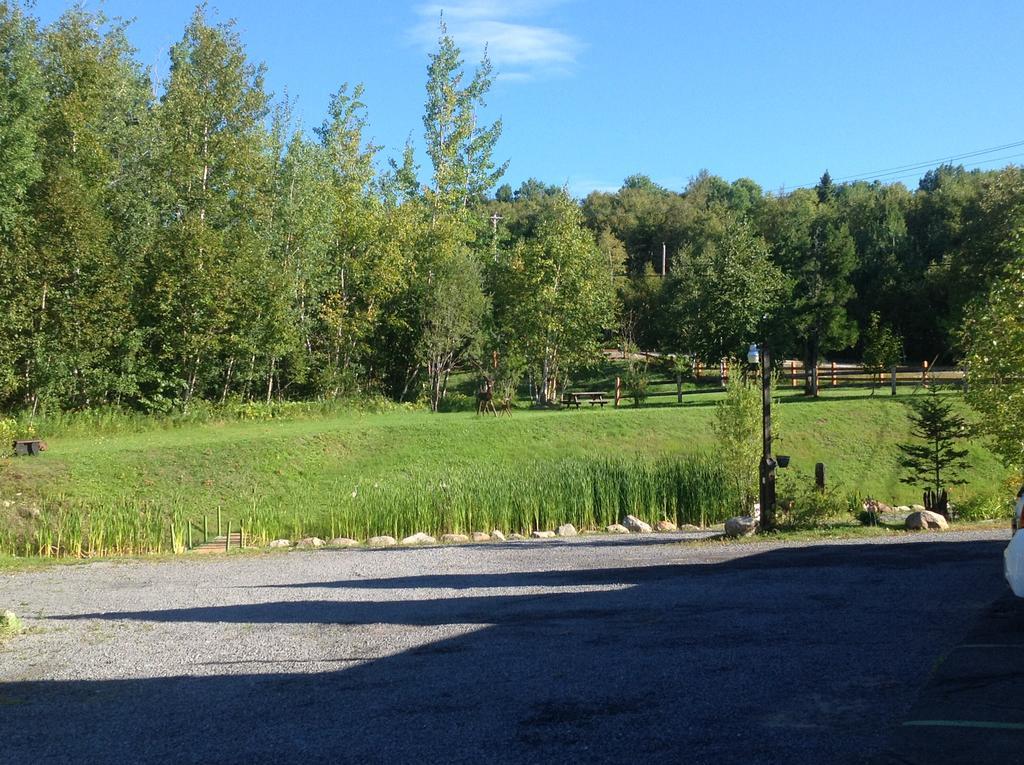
(305, 469)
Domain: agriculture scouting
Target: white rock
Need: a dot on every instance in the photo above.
(925, 519)
(917, 508)
(383, 541)
(479, 536)
(280, 543)
(903, 509)
(343, 542)
(636, 526)
(515, 537)
(740, 526)
(419, 538)
(310, 542)
(457, 538)
(617, 528)
(497, 536)
(567, 530)
(665, 526)
(542, 534)
(689, 528)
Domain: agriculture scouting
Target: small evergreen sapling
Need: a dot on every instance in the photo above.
(933, 461)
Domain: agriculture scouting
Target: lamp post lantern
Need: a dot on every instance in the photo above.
(766, 472)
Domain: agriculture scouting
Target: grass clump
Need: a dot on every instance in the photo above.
(10, 625)
(587, 492)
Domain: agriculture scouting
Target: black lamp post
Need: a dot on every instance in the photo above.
(766, 493)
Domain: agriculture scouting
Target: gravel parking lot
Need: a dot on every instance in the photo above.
(640, 649)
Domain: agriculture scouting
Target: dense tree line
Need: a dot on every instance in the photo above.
(814, 271)
(162, 243)
(198, 244)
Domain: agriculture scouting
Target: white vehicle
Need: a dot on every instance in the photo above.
(1013, 557)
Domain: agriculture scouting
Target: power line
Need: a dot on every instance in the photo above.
(982, 162)
(923, 165)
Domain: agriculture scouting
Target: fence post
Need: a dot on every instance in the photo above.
(722, 373)
(924, 373)
(227, 538)
(894, 379)
(206, 529)
(618, 391)
(189, 526)
(964, 373)
(792, 373)
(819, 476)
(219, 529)
(679, 388)
(833, 374)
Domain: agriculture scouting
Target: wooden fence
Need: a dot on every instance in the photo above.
(793, 374)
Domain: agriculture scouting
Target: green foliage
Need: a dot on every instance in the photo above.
(552, 297)
(165, 254)
(723, 291)
(933, 461)
(737, 429)
(293, 461)
(883, 348)
(585, 491)
(460, 150)
(636, 381)
(802, 506)
(10, 625)
(992, 506)
(994, 341)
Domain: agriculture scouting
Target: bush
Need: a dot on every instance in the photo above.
(737, 428)
(807, 507)
(10, 431)
(10, 624)
(637, 381)
(985, 507)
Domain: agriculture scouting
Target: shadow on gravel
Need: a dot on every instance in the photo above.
(792, 655)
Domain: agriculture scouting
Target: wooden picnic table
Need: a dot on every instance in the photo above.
(592, 397)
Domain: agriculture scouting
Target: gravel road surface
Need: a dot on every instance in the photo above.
(597, 649)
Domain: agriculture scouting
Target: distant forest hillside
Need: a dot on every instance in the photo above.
(159, 250)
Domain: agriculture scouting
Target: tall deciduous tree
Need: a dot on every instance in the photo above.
(212, 250)
(553, 297)
(994, 340)
(22, 100)
(92, 209)
(723, 292)
(461, 153)
(460, 150)
(813, 246)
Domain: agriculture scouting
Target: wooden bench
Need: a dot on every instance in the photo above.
(594, 398)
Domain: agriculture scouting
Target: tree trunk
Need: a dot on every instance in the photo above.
(227, 380)
(270, 380)
(811, 377)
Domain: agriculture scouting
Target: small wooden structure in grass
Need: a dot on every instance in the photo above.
(594, 398)
(29, 447)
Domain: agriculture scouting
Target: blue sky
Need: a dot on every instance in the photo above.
(591, 91)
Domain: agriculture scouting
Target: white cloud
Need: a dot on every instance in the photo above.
(519, 50)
